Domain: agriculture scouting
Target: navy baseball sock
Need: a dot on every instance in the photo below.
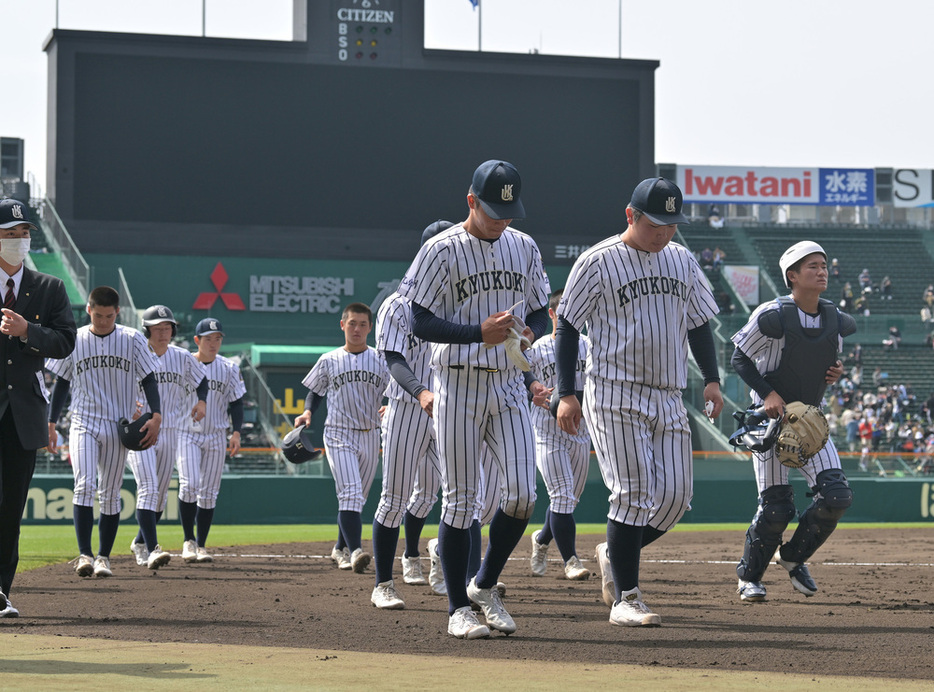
(385, 540)
(565, 531)
(476, 550)
(624, 547)
(140, 538)
(505, 534)
(650, 533)
(84, 527)
(545, 535)
(107, 527)
(454, 546)
(204, 520)
(146, 519)
(341, 541)
(351, 526)
(413, 531)
(187, 511)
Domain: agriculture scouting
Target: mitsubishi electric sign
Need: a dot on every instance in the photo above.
(754, 185)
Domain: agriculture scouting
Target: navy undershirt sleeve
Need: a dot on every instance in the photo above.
(202, 389)
(151, 390)
(750, 374)
(402, 373)
(428, 326)
(59, 397)
(312, 402)
(538, 322)
(566, 347)
(236, 414)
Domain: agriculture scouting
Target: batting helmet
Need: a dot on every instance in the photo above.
(795, 253)
(757, 432)
(130, 434)
(157, 314)
(297, 446)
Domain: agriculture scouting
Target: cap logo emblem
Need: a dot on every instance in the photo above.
(213, 324)
(162, 312)
(506, 194)
(17, 211)
(670, 205)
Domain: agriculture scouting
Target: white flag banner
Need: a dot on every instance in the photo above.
(745, 281)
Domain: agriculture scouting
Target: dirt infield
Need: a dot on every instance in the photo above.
(872, 616)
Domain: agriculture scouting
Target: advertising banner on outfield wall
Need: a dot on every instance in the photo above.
(913, 187)
(756, 185)
(744, 279)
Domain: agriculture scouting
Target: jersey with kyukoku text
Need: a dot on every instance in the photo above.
(225, 385)
(637, 307)
(394, 333)
(178, 373)
(104, 372)
(463, 279)
(353, 384)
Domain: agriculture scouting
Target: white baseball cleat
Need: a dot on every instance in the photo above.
(491, 604)
(750, 591)
(463, 624)
(8, 611)
(436, 573)
(575, 571)
(158, 558)
(190, 551)
(386, 597)
(412, 571)
(606, 574)
(140, 551)
(84, 565)
(102, 567)
(202, 555)
(632, 612)
(359, 560)
(539, 556)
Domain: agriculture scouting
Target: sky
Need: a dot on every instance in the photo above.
(834, 83)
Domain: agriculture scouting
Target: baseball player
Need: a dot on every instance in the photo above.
(562, 459)
(644, 301)
(788, 351)
(410, 459)
(203, 443)
(353, 378)
(177, 373)
(104, 374)
(463, 285)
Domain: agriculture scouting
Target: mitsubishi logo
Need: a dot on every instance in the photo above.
(231, 300)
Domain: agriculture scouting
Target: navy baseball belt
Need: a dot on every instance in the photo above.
(474, 367)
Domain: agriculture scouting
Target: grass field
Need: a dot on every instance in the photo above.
(47, 545)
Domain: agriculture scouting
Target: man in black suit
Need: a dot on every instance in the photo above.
(36, 323)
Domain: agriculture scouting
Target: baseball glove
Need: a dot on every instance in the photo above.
(804, 433)
(514, 343)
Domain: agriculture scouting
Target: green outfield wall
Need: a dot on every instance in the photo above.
(311, 500)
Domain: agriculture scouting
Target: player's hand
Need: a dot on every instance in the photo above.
(53, 439)
(304, 420)
(426, 400)
(528, 334)
(712, 396)
(541, 396)
(496, 327)
(234, 445)
(774, 405)
(197, 413)
(151, 430)
(12, 323)
(834, 373)
(569, 414)
(380, 411)
(139, 410)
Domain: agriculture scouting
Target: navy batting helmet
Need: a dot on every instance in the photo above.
(297, 446)
(157, 314)
(130, 434)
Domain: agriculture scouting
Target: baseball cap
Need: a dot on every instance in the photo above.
(497, 185)
(434, 229)
(660, 200)
(797, 252)
(12, 213)
(209, 325)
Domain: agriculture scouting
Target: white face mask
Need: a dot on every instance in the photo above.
(14, 250)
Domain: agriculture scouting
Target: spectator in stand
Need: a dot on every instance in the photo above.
(928, 296)
(718, 257)
(865, 436)
(861, 306)
(706, 258)
(714, 217)
(834, 269)
(846, 298)
(893, 340)
(927, 317)
(877, 376)
(865, 280)
(856, 355)
(885, 288)
(849, 419)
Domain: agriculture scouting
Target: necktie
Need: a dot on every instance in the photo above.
(10, 299)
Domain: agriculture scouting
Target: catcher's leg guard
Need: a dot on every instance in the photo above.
(832, 497)
(776, 509)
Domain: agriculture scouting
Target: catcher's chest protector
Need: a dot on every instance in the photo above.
(806, 356)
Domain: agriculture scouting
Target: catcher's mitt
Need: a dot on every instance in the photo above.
(804, 433)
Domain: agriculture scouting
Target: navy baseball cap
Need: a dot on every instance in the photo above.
(660, 200)
(13, 213)
(209, 325)
(496, 184)
(434, 229)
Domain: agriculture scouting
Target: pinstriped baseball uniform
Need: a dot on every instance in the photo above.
(202, 446)
(177, 373)
(354, 384)
(637, 308)
(766, 353)
(562, 459)
(104, 372)
(463, 279)
(410, 458)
